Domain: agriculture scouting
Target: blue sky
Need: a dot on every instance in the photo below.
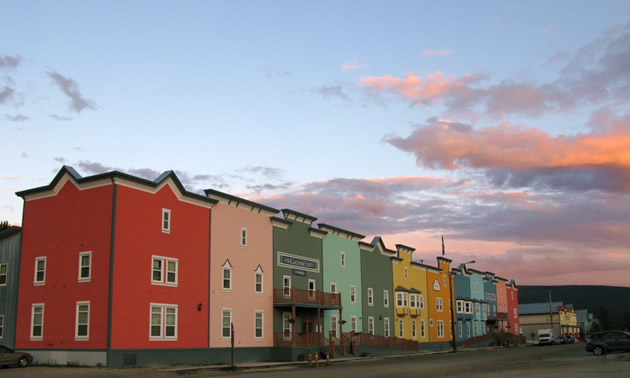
(346, 110)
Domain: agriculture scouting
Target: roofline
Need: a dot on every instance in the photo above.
(305, 216)
(236, 199)
(340, 230)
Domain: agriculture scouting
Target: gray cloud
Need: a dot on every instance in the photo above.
(59, 118)
(71, 89)
(17, 118)
(6, 94)
(329, 91)
(267, 172)
(8, 61)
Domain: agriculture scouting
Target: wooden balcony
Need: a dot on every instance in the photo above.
(306, 298)
(502, 316)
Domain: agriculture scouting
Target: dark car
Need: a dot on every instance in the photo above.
(608, 341)
(10, 357)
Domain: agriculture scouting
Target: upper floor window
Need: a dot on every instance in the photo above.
(445, 284)
(85, 266)
(514, 312)
(4, 271)
(370, 296)
(401, 299)
(406, 273)
(421, 301)
(460, 307)
(1, 326)
(286, 285)
(163, 322)
(478, 307)
(343, 259)
(439, 305)
(166, 221)
(512, 294)
(468, 307)
(40, 270)
(353, 294)
(259, 280)
(164, 271)
(243, 237)
(227, 275)
(386, 298)
(412, 301)
(333, 287)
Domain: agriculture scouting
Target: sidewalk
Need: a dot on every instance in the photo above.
(271, 365)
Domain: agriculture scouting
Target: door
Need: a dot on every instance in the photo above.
(309, 331)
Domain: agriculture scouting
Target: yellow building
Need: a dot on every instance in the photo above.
(408, 298)
(438, 301)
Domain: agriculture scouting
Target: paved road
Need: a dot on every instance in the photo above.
(557, 361)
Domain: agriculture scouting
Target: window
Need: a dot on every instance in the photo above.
(333, 287)
(371, 325)
(461, 331)
(286, 285)
(421, 301)
(227, 276)
(311, 287)
(430, 322)
(3, 274)
(440, 328)
(422, 328)
(226, 323)
(370, 298)
(512, 294)
(353, 294)
(401, 328)
(258, 324)
(412, 301)
(343, 259)
(478, 308)
(353, 323)
(399, 299)
(164, 271)
(444, 281)
(477, 287)
(514, 312)
(475, 333)
(258, 281)
(40, 270)
(1, 326)
(413, 328)
(460, 306)
(166, 221)
(468, 328)
(243, 237)
(386, 298)
(439, 305)
(82, 321)
(37, 321)
(333, 325)
(468, 307)
(163, 322)
(406, 273)
(85, 265)
(286, 325)
(386, 326)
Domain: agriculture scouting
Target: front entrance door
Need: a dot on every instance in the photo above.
(309, 332)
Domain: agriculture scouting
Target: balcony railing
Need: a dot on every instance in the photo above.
(502, 315)
(315, 298)
(385, 342)
(285, 339)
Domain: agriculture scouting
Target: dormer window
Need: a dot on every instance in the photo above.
(227, 276)
(166, 221)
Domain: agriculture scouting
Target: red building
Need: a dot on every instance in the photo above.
(112, 267)
(512, 304)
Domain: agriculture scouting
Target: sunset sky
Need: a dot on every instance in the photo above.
(502, 125)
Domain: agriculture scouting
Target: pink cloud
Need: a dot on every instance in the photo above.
(351, 65)
(440, 52)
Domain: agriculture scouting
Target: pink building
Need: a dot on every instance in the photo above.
(241, 272)
(502, 303)
(512, 304)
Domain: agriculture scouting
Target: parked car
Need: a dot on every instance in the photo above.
(608, 341)
(558, 340)
(10, 357)
(568, 339)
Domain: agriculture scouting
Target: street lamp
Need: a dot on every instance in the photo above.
(452, 296)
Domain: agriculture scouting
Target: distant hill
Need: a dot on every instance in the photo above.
(581, 297)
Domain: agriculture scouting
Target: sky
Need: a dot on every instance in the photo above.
(502, 126)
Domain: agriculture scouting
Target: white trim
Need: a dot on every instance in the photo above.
(414, 330)
(370, 296)
(371, 323)
(386, 298)
(166, 220)
(284, 254)
(423, 329)
(5, 274)
(163, 308)
(386, 326)
(333, 285)
(243, 237)
(343, 259)
(262, 325)
(89, 277)
(353, 324)
(229, 336)
(41, 336)
(286, 290)
(226, 267)
(353, 301)
(35, 281)
(78, 337)
(1, 326)
(163, 281)
(285, 335)
(259, 272)
(401, 329)
(334, 325)
(440, 329)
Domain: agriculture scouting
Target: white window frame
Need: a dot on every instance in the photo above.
(386, 298)
(164, 262)
(445, 282)
(287, 333)
(312, 288)
(4, 276)
(262, 324)
(461, 330)
(413, 329)
(440, 329)
(370, 296)
(423, 330)
(244, 237)
(413, 303)
(77, 324)
(439, 304)
(371, 325)
(43, 280)
(401, 299)
(401, 328)
(334, 325)
(227, 267)
(386, 326)
(430, 322)
(259, 273)
(478, 309)
(353, 294)
(333, 287)
(421, 301)
(468, 328)
(460, 306)
(514, 312)
(343, 259)
(166, 221)
(286, 289)
(229, 326)
(406, 273)
(475, 331)
(467, 307)
(163, 315)
(81, 266)
(353, 323)
(1, 326)
(41, 335)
